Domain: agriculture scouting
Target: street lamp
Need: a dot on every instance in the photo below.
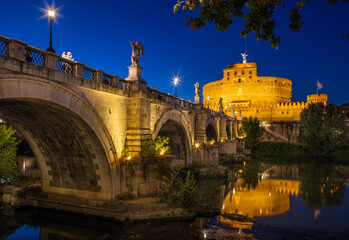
(175, 82)
(51, 14)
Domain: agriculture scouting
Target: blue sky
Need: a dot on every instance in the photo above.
(98, 34)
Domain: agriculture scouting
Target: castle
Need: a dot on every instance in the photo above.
(247, 94)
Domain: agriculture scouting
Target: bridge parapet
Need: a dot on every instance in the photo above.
(41, 60)
(169, 99)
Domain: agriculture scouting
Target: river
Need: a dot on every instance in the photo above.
(261, 198)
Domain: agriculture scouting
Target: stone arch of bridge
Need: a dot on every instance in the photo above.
(173, 124)
(71, 145)
(211, 130)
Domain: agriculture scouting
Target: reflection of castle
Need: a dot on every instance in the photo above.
(269, 198)
(267, 98)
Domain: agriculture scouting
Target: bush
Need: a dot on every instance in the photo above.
(280, 148)
(8, 153)
(183, 192)
(253, 131)
(159, 146)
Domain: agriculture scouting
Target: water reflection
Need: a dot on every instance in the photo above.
(322, 185)
(270, 197)
(285, 195)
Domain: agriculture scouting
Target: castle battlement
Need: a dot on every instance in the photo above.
(265, 97)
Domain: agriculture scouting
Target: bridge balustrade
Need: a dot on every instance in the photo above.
(65, 65)
(34, 56)
(88, 73)
(19, 50)
(4, 47)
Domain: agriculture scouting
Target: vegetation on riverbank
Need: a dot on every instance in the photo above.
(8, 153)
(286, 148)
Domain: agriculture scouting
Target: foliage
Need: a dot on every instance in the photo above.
(159, 146)
(253, 131)
(323, 128)
(183, 192)
(280, 148)
(258, 15)
(25, 180)
(8, 153)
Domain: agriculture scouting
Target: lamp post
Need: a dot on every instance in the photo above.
(175, 82)
(51, 14)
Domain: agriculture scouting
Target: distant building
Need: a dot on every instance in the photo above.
(267, 98)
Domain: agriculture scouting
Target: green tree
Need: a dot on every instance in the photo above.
(253, 131)
(159, 146)
(8, 153)
(258, 15)
(323, 128)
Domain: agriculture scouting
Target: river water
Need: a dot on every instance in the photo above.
(262, 198)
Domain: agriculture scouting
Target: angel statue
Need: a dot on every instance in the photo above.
(221, 103)
(197, 89)
(137, 51)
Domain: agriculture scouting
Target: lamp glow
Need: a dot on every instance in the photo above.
(51, 13)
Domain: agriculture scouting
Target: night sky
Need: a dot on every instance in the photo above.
(98, 34)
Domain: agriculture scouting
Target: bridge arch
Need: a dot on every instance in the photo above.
(73, 148)
(211, 130)
(174, 124)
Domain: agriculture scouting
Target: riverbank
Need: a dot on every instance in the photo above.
(13, 198)
(292, 149)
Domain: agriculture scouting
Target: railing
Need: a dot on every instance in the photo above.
(106, 79)
(65, 65)
(156, 95)
(4, 47)
(34, 56)
(88, 73)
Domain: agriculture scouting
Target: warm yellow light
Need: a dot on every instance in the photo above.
(162, 152)
(129, 158)
(197, 145)
(51, 12)
(175, 80)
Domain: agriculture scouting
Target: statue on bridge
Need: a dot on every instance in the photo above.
(137, 51)
(220, 105)
(197, 98)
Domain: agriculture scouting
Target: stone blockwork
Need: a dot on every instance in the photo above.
(79, 123)
(282, 131)
(267, 98)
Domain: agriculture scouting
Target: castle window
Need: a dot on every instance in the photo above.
(282, 112)
(250, 72)
(250, 77)
(228, 74)
(242, 72)
(228, 78)
(235, 73)
(239, 80)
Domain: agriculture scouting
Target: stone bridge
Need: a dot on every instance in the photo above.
(80, 122)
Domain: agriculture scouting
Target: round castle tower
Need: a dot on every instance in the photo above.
(267, 98)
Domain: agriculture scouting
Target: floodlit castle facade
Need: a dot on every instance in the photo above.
(244, 94)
